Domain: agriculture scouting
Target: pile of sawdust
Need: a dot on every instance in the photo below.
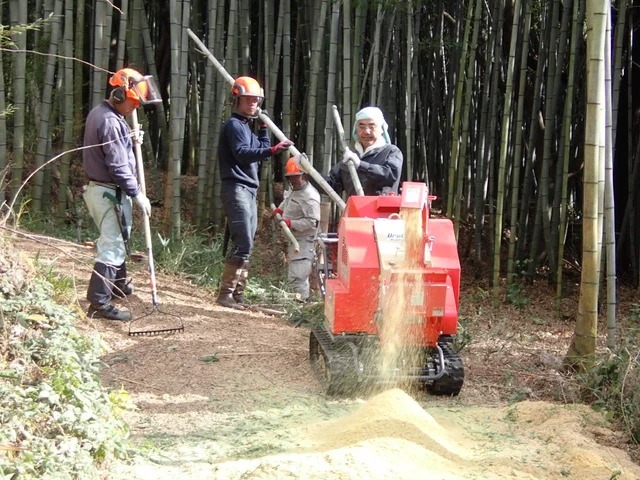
(392, 437)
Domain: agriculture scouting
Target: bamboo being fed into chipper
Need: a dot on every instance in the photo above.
(240, 150)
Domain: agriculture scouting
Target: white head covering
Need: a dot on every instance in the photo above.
(375, 114)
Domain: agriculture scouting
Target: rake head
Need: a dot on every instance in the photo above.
(154, 321)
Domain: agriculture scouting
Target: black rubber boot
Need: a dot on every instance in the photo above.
(99, 294)
(109, 312)
(238, 293)
(123, 286)
(228, 283)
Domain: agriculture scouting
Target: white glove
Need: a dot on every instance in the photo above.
(351, 156)
(143, 202)
(138, 136)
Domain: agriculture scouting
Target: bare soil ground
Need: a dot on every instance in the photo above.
(234, 397)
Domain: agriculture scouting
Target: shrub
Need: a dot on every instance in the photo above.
(57, 421)
(613, 384)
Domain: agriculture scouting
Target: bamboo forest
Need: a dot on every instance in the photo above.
(520, 116)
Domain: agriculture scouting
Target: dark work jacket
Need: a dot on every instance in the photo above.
(240, 151)
(379, 172)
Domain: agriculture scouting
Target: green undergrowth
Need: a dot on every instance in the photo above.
(56, 421)
(613, 383)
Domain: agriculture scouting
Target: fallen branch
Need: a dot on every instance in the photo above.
(268, 311)
(140, 384)
(244, 354)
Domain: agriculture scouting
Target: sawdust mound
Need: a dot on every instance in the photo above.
(393, 437)
(393, 415)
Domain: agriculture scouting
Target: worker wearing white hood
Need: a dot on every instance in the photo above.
(377, 161)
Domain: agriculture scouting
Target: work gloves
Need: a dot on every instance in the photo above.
(283, 146)
(143, 202)
(138, 136)
(279, 211)
(350, 156)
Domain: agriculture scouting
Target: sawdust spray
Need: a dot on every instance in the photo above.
(403, 290)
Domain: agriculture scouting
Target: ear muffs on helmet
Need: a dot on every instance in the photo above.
(119, 95)
(237, 90)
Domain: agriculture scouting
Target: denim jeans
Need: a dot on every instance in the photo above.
(239, 205)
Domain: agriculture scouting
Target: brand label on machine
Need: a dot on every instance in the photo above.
(417, 298)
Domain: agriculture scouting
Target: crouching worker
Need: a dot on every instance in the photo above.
(300, 210)
(110, 167)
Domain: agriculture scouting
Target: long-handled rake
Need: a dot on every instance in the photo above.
(152, 274)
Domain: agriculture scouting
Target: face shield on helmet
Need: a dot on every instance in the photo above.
(142, 89)
(147, 91)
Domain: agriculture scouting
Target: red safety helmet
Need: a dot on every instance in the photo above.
(132, 84)
(247, 86)
(292, 168)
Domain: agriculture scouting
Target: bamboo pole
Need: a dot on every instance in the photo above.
(301, 159)
(286, 229)
(352, 168)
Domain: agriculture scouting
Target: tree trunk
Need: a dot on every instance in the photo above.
(45, 107)
(583, 344)
(505, 130)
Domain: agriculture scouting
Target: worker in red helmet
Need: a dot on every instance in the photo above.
(378, 162)
(110, 167)
(300, 210)
(240, 152)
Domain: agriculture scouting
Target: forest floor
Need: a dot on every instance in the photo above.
(233, 396)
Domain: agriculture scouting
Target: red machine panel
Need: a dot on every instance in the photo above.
(352, 299)
(354, 293)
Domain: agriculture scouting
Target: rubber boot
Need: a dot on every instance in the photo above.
(238, 293)
(230, 277)
(123, 287)
(99, 294)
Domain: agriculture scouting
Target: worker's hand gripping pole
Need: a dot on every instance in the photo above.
(352, 168)
(305, 165)
(285, 229)
(143, 187)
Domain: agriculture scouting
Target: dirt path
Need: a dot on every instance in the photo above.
(233, 397)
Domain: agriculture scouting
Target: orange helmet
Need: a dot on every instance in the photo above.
(132, 84)
(247, 86)
(292, 168)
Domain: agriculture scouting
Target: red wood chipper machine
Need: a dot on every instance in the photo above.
(393, 286)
